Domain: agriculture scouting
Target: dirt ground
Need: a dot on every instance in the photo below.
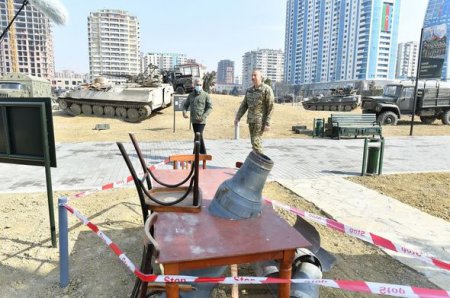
(426, 192)
(29, 266)
(219, 124)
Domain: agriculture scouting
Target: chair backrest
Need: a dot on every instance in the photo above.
(186, 160)
(140, 192)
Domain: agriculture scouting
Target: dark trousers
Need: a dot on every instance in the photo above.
(199, 128)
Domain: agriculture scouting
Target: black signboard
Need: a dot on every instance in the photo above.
(23, 137)
(178, 102)
(433, 52)
(26, 137)
(431, 68)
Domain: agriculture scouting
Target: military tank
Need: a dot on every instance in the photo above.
(340, 99)
(132, 101)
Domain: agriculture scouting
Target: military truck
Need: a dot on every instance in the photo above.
(182, 77)
(22, 85)
(433, 102)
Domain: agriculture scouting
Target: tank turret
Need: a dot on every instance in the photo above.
(132, 101)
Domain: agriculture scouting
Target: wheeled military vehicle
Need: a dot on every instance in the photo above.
(340, 99)
(433, 102)
(182, 77)
(21, 85)
(132, 101)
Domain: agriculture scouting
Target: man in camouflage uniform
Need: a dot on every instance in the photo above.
(258, 101)
(201, 106)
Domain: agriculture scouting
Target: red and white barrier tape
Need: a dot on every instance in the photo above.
(348, 285)
(116, 184)
(363, 235)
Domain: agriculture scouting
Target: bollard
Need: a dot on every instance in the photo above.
(236, 131)
(373, 156)
(63, 243)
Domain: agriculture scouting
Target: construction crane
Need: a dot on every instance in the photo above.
(12, 34)
(52, 9)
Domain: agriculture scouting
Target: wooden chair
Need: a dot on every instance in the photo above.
(186, 160)
(143, 289)
(149, 199)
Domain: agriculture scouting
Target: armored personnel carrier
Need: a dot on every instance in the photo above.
(340, 99)
(132, 101)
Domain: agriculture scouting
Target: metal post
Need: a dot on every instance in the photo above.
(314, 128)
(48, 175)
(323, 128)
(63, 243)
(174, 116)
(416, 85)
(196, 170)
(380, 167)
(363, 170)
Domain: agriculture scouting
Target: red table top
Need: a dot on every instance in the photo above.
(200, 236)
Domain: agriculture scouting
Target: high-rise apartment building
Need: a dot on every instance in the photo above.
(333, 40)
(269, 62)
(114, 43)
(407, 56)
(164, 61)
(438, 12)
(225, 72)
(68, 79)
(34, 40)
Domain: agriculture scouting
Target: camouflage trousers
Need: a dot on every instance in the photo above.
(256, 133)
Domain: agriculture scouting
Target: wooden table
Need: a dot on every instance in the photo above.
(199, 240)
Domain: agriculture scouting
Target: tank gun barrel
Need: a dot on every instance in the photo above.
(117, 75)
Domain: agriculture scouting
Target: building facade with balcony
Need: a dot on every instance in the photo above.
(165, 61)
(269, 62)
(68, 79)
(334, 40)
(114, 44)
(34, 42)
(407, 57)
(225, 72)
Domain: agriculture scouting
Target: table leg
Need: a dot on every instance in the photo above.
(286, 272)
(234, 288)
(172, 290)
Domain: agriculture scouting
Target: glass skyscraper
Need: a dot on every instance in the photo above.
(334, 40)
(438, 12)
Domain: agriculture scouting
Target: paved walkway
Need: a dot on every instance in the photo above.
(368, 210)
(88, 165)
(313, 168)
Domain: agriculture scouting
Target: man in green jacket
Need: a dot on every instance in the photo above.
(258, 101)
(201, 106)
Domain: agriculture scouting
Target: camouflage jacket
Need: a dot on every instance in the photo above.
(259, 102)
(201, 106)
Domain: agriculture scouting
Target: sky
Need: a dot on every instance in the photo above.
(207, 30)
